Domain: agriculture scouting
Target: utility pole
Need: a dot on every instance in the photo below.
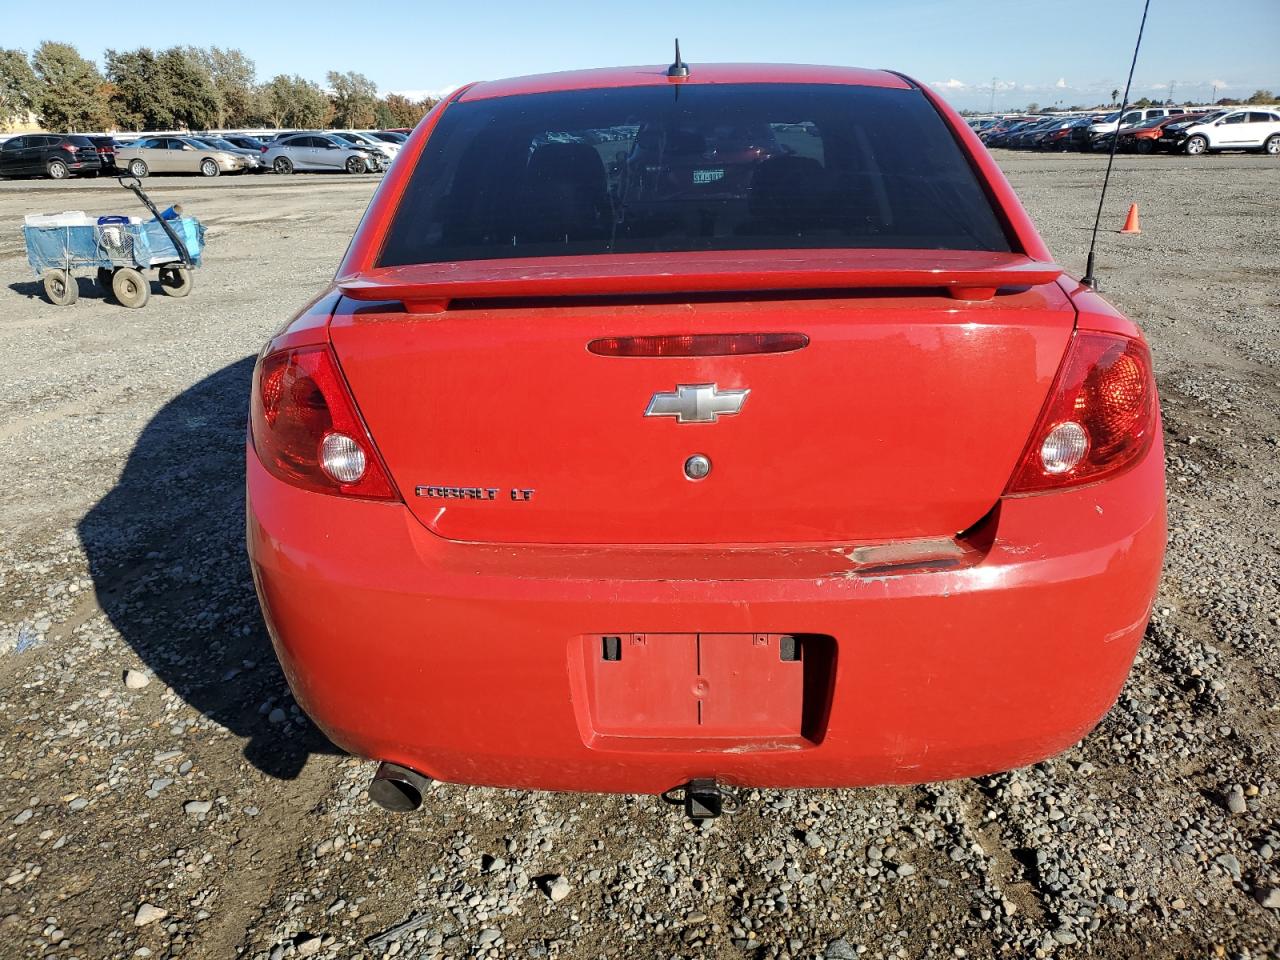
(1213, 97)
(1173, 85)
(992, 108)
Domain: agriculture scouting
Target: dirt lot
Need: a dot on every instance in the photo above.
(200, 814)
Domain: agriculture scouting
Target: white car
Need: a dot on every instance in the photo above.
(1233, 130)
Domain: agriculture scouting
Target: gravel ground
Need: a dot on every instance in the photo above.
(162, 795)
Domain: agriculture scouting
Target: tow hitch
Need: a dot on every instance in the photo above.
(703, 799)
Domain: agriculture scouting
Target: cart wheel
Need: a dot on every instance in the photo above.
(176, 281)
(104, 279)
(60, 287)
(130, 287)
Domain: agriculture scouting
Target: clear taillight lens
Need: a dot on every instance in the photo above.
(306, 430)
(1099, 419)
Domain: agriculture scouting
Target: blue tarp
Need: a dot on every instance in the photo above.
(140, 245)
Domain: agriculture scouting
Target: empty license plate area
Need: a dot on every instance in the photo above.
(715, 686)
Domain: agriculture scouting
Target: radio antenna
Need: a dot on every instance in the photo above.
(679, 68)
(1090, 279)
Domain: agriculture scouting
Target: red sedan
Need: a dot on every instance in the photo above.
(620, 458)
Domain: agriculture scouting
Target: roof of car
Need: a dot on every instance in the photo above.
(655, 76)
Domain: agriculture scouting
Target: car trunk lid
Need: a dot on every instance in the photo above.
(903, 416)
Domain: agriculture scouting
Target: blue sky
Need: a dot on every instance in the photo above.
(1049, 51)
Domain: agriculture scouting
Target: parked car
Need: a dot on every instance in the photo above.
(319, 151)
(246, 143)
(1243, 129)
(55, 155)
(1171, 136)
(177, 155)
(1035, 139)
(387, 151)
(1023, 136)
(570, 480)
(253, 158)
(1000, 135)
(1100, 132)
(1081, 135)
(1059, 138)
(389, 136)
(1143, 137)
(106, 147)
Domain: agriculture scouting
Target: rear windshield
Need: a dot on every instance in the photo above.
(690, 167)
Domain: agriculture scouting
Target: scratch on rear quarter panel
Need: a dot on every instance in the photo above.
(1125, 631)
(759, 746)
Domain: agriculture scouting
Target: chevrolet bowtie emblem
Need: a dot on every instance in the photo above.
(696, 403)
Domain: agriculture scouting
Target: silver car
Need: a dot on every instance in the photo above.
(319, 151)
(388, 151)
(176, 155)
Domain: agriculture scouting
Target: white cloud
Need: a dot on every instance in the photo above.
(1220, 84)
(952, 84)
(1061, 84)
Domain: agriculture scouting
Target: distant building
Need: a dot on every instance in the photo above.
(24, 124)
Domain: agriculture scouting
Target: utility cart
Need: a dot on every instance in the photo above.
(116, 251)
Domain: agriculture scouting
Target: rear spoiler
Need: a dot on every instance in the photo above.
(964, 274)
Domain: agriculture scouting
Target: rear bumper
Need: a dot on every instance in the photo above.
(464, 661)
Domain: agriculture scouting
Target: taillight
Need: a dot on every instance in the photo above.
(306, 430)
(1100, 417)
(263, 149)
(698, 344)
(68, 147)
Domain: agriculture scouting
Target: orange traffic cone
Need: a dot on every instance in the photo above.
(1131, 221)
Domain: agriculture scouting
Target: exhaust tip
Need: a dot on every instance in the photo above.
(397, 788)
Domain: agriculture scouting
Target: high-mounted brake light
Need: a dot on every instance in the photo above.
(306, 430)
(698, 344)
(1100, 417)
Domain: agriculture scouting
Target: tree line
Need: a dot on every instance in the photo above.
(196, 88)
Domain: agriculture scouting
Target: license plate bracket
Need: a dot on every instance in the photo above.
(714, 686)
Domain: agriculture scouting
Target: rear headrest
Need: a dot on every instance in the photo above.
(564, 195)
(790, 189)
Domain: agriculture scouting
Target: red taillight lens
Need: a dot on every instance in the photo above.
(698, 345)
(306, 430)
(1099, 419)
(264, 149)
(68, 147)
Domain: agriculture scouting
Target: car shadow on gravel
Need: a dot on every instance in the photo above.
(166, 553)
